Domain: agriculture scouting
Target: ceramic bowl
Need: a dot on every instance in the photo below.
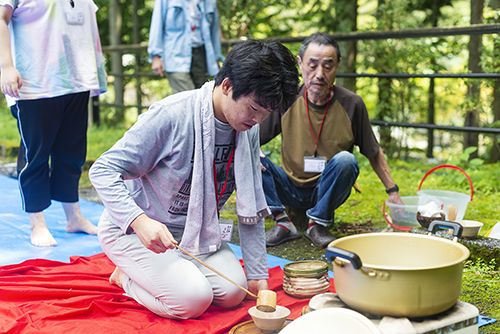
(471, 228)
(269, 322)
(304, 279)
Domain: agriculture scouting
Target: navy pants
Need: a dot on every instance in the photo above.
(54, 143)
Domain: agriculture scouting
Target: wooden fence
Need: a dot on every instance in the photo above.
(478, 29)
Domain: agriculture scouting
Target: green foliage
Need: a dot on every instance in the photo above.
(256, 18)
(273, 150)
(100, 139)
(483, 259)
(463, 158)
(481, 288)
(125, 7)
(8, 124)
(480, 266)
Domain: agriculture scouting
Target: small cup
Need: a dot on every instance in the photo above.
(266, 301)
(269, 322)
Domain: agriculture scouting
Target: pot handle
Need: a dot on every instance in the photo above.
(436, 224)
(333, 252)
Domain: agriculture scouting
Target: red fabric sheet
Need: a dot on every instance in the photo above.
(42, 296)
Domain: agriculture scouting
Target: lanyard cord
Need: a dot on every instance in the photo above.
(322, 122)
(217, 195)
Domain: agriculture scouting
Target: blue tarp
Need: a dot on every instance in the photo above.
(15, 244)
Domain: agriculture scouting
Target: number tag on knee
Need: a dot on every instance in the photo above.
(226, 229)
(314, 164)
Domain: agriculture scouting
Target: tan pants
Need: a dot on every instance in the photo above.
(171, 284)
(180, 82)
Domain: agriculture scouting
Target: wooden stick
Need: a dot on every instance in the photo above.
(215, 271)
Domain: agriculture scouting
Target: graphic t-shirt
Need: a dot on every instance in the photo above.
(224, 144)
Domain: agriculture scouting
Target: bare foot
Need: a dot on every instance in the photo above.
(40, 235)
(81, 226)
(116, 277)
(76, 222)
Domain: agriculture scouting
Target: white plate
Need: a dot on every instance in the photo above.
(331, 321)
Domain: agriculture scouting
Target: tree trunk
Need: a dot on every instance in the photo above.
(430, 118)
(137, 65)
(474, 88)
(384, 84)
(495, 152)
(115, 25)
(432, 95)
(346, 14)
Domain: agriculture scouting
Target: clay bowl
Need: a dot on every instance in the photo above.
(269, 322)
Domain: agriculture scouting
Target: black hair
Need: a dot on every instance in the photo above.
(321, 38)
(269, 70)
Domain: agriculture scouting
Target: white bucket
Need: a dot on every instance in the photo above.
(404, 216)
(446, 197)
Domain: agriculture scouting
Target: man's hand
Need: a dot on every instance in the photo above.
(153, 234)
(394, 198)
(157, 66)
(11, 81)
(255, 285)
(262, 155)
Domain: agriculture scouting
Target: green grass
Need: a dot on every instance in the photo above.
(9, 136)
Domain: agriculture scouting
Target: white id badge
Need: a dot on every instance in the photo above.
(314, 164)
(74, 16)
(226, 229)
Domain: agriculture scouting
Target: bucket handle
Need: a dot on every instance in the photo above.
(450, 167)
(401, 228)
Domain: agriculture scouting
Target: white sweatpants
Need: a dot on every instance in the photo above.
(171, 284)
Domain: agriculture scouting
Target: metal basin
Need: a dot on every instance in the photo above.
(399, 274)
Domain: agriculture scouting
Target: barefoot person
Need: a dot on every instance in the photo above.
(163, 183)
(54, 65)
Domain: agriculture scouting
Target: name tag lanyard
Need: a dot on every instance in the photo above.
(322, 122)
(217, 195)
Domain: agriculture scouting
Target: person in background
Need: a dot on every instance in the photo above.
(51, 63)
(318, 133)
(165, 181)
(184, 41)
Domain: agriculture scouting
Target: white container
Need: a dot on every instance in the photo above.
(446, 197)
(404, 216)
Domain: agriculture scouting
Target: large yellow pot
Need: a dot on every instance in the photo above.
(398, 274)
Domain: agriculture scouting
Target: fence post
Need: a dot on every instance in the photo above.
(430, 119)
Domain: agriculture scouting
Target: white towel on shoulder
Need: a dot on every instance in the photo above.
(201, 233)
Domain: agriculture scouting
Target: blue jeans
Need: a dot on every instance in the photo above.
(331, 191)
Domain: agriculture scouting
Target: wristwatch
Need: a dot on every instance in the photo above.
(393, 189)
